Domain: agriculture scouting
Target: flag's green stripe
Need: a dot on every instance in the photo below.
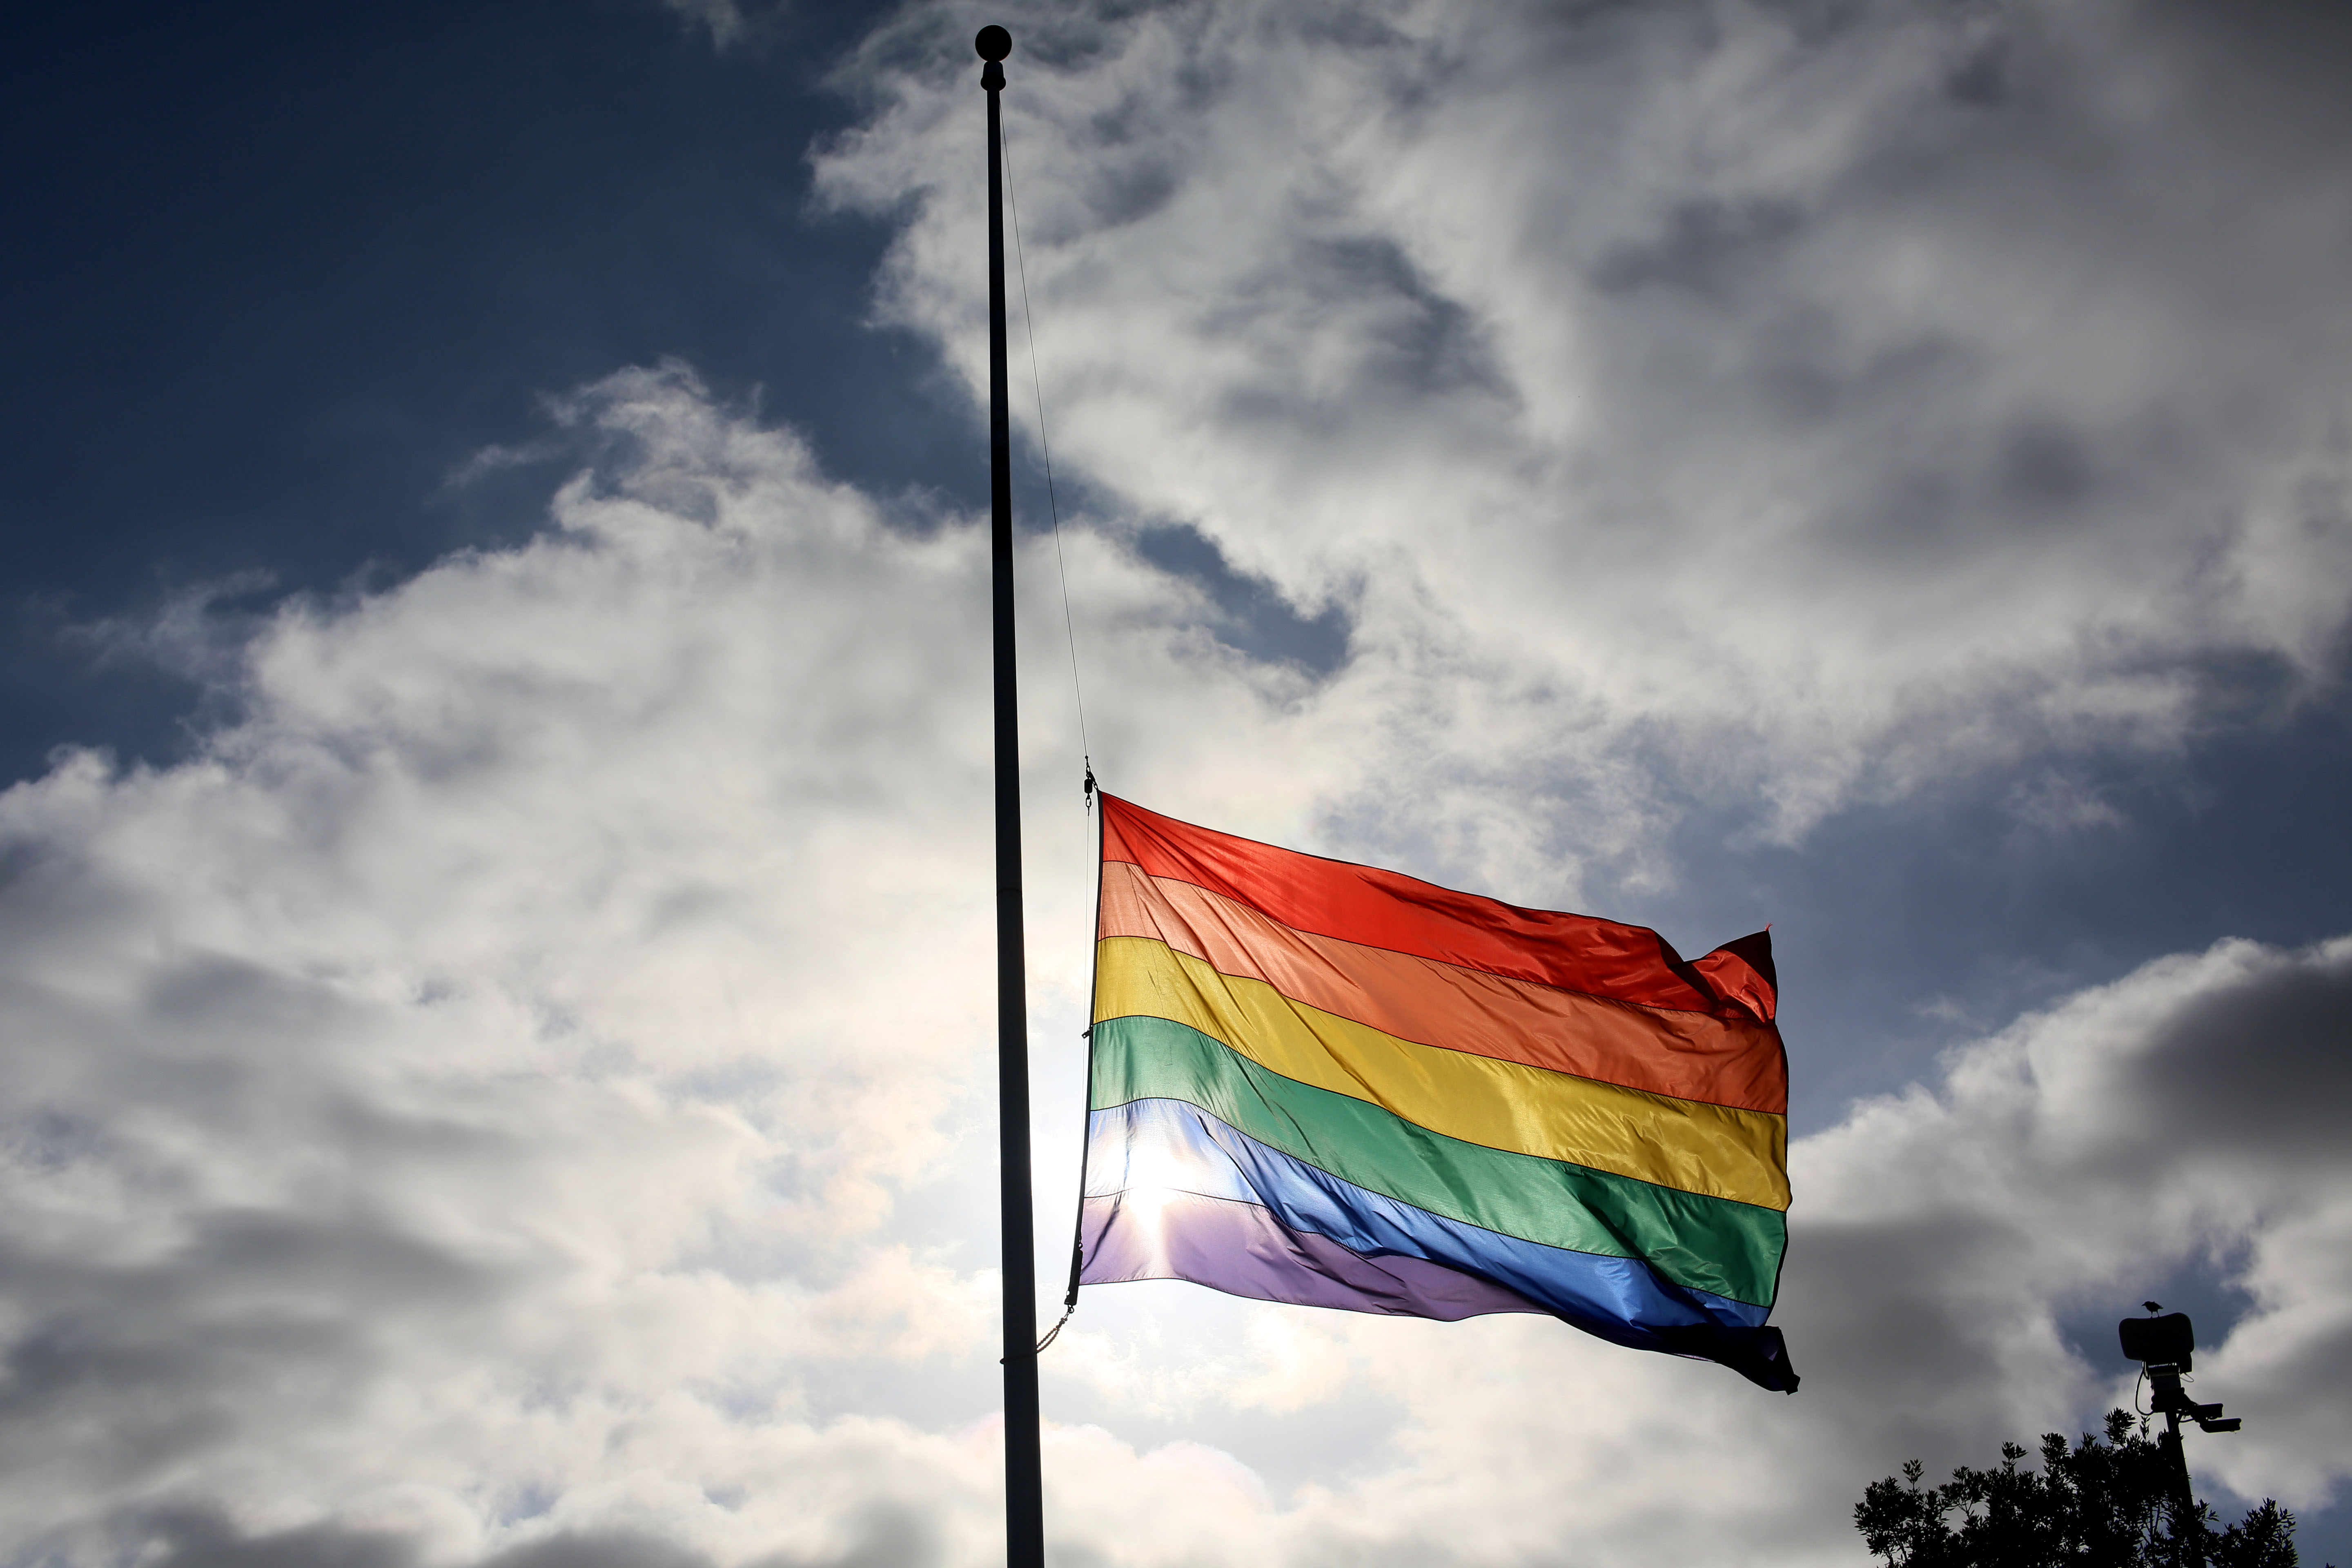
(1708, 1244)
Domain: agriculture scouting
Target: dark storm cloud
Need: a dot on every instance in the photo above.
(202, 1538)
(1411, 341)
(1889, 1296)
(2185, 1115)
(1702, 247)
(249, 1311)
(2264, 1067)
(205, 1538)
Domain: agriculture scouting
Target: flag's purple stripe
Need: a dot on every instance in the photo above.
(1241, 1250)
(1149, 1145)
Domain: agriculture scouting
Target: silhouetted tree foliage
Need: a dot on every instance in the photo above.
(2105, 1503)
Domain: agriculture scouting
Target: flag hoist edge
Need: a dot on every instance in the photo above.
(1323, 1083)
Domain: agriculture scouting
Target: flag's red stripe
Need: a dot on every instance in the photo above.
(1735, 1061)
(1385, 909)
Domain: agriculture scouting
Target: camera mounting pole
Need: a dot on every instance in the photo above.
(2166, 1348)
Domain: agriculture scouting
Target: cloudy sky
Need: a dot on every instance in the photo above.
(494, 885)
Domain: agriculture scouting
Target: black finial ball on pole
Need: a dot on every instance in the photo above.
(993, 43)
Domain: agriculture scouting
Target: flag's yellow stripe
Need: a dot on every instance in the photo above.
(1687, 1144)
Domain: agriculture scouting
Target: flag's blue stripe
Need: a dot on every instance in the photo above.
(1171, 1142)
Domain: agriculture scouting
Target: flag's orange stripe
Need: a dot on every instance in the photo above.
(1733, 1061)
(1366, 905)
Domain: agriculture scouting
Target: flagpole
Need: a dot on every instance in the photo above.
(1024, 1530)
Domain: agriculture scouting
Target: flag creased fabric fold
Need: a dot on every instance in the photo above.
(1323, 1083)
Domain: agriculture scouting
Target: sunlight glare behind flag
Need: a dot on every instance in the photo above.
(1323, 1083)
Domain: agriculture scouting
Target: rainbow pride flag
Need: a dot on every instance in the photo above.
(1318, 1082)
